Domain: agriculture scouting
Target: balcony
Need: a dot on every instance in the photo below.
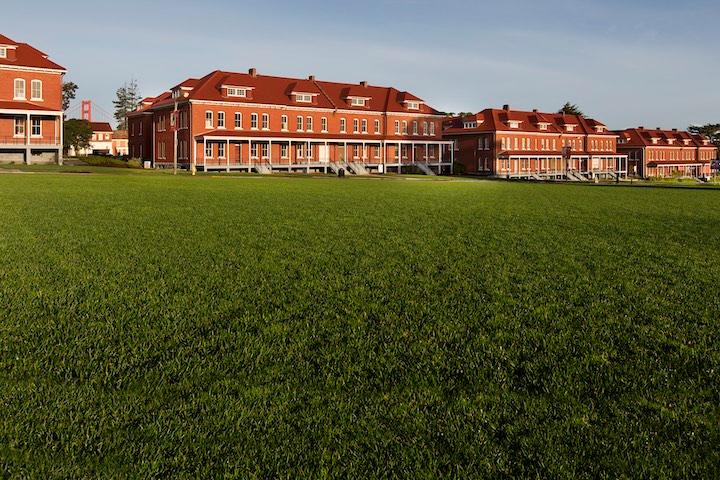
(15, 142)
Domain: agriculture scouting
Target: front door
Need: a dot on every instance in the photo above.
(324, 153)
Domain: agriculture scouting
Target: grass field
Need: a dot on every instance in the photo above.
(205, 327)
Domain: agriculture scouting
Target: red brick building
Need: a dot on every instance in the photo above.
(517, 144)
(30, 105)
(251, 122)
(666, 153)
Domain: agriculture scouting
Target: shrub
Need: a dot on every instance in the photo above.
(135, 163)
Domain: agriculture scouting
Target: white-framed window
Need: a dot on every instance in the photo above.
(283, 150)
(236, 92)
(36, 90)
(356, 125)
(208, 150)
(413, 105)
(238, 121)
(426, 128)
(300, 150)
(3, 52)
(431, 151)
(309, 124)
(404, 127)
(284, 123)
(364, 126)
(254, 121)
(356, 151)
(221, 119)
(415, 127)
(357, 102)
(397, 127)
(19, 127)
(265, 150)
(208, 119)
(343, 125)
(265, 121)
(299, 124)
(221, 150)
(377, 127)
(432, 129)
(19, 93)
(377, 152)
(323, 124)
(254, 151)
(308, 151)
(303, 98)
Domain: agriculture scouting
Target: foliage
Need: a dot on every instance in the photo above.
(69, 90)
(710, 130)
(127, 99)
(100, 161)
(135, 163)
(204, 327)
(571, 109)
(77, 134)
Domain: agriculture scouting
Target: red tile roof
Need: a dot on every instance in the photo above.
(27, 56)
(643, 137)
(490, 120)
(273, 90)
(23, 106)
(100, 127)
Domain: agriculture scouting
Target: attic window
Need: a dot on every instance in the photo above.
(236, 92)
(570, 128)
(303, 98)
(357, 102)
(470, 124)
(671, 141)
(176, 93)
(413, 105)
(514, 124)
(600, 129)
(3, 52)
(655, 141)
(543, 126)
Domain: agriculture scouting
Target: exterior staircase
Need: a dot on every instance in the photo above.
(425, 168)
(336, 166)
(359, 169)
(263, 168)
(575, 177)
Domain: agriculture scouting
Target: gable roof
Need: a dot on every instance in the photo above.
(274, 90)
(643, 137)
(100, 127)
(26, 56)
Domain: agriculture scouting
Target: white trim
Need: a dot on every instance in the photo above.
(32, 112)
(33, 69)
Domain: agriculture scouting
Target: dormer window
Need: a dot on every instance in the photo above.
(543, 126)
(413, 105)
(470, 124)
(655, 141)
(303, 98)
(514, 124)
(176, 93)
(3, 52)
(600, 129)
(357, 101)
(236, 92)
(671, 141)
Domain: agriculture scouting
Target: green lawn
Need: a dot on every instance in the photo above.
(209, 327)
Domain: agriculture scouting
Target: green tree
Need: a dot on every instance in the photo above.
(127, 99)
(711, 131)
(77, 134)
(69, 90)
(571, 109)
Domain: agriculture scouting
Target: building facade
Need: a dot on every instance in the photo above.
(533, 145)
(251, 122)
(31, 117)
(666, 153)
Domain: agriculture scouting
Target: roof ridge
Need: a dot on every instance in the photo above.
(322, 90)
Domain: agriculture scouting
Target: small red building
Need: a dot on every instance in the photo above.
(30, 105)
(666, 153)
(533, 145)
(251, 122)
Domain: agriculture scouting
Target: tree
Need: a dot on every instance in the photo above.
(69, 90)
(77, 134)
(711, 131)
(127, 100)
(571, 109)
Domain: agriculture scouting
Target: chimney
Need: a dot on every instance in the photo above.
(658, 129)
(535, 110)
(506, 107)
(674, 129)
(641, 127)
(253, 72)
(311, 78)
(364, 83)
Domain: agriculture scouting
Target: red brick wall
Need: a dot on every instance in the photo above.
(51, 87)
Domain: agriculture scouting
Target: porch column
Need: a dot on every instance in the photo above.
(308, 150)
(28, 150)
(227, 154)
(270, 152)
(205, 154)
(412, 152)
(452, 159)
(62, 140)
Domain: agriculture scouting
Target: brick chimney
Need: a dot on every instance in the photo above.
(506, 107)
(311, 78)
(641, 127)
(535, 110)
(674, 130)
(364, 83)
(253, 72)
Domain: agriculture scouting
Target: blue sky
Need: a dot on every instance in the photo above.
(627, 63)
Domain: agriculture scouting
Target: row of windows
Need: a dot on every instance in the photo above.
(36, 90)
(306, 151)
(35, 127)
(306, 124)
(679, 155)
(100, 136)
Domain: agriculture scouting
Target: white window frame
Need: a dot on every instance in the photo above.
(33, 84)
(3, 52)
(221, 120)
(356, 125)
(236, 92)
(415, 127)
(208, 150)
(397, 127)
(265, 121)
(16, 89)
(238, 121)
(19, 127)
(432, 129)
(221, 150)
(377, 127)
(284, 150)
(324, 124)
(299, 123)
(209, 119)
(284, 123)
(300, 150)
(357, 102)
(254, 151)
(264, 150)
(309, 124)
(364, 126)
(426, 129)
(343, 125)
(253, 121)
(303, 98)
(413, 105)
(404, 127)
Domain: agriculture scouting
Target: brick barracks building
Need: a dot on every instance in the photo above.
(666, 153)
(516, 144)
(30, 105)
(251, 122)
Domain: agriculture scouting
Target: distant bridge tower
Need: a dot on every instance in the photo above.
(87, 110)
